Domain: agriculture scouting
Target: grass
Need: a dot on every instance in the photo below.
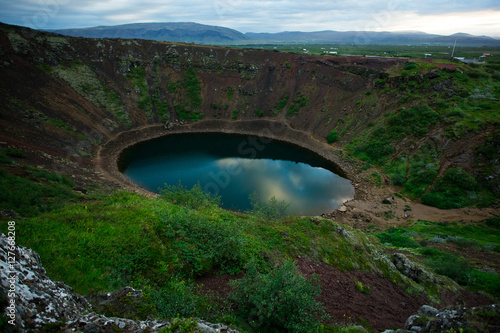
(161, 245)
(298, 103)
(192, 86)
(423, 234)
(48, 192)
(137, 75)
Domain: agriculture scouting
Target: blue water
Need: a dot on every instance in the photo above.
(234, 167)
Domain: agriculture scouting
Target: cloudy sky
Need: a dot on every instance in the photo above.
(478, 17)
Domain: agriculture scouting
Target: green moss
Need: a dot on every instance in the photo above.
(192, 86)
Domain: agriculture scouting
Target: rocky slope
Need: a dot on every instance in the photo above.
(63, 97)
(33, 302)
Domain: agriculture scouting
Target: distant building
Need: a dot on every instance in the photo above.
(428, 55)
(487, 54)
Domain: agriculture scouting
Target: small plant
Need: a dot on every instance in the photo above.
(235, 114)
(259, 113)
(230, 93)
(332, 137)
(193, 198)
(271, 209)
(361, 287)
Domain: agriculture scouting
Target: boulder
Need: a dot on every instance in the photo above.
(411, 269)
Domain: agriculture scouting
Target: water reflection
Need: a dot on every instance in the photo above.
(309, 190)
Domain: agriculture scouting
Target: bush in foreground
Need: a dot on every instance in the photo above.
(280, 301)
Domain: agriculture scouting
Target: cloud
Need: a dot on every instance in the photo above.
(262, 15)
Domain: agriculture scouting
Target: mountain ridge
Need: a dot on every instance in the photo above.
(191, 32)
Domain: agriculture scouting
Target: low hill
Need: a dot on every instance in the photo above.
(373, 37)
(189, 32)
(186, 32)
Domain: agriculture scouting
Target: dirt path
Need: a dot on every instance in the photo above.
(368, 210)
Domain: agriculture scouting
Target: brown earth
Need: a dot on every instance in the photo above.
(384, 306)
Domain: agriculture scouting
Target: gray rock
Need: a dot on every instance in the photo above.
(40, 301)
(428, 311)
(411, 269)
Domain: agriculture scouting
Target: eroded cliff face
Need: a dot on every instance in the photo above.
(76, 92)
(62, 97)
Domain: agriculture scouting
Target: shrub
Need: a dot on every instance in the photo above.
(410, 66)
(235, 114)
(395, 238)
(375, 151)
(193, 198)
(398, 179)
(200, 244)
(193, 87)
(280, 301)
(280, 105)
(332, 137)
(271, 209)
(176, 298)
(493, 222)
(450, 190)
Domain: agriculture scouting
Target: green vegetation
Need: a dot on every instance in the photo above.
(271, 209)
(279, 301)
(280, 105)
(161, 245)
(461, 271)
(179, 325)
(12, 153)
(235, 114)
(230, 93)
(396, 237)
(186, 112)
(138, 77)
(455, 189)
(422, 236)
(259, 113)
(193, 87)
(362, 288)
(298, 103)
(332, 137)
(87, 83)
(48, 192)
(43, 66)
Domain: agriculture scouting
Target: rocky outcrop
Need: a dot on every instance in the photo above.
(32, 302)
(413, 270)
(484, 319)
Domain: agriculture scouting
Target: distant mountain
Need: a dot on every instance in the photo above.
(206, 34)
(186, 32)
(467, 40)
(374, 37)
